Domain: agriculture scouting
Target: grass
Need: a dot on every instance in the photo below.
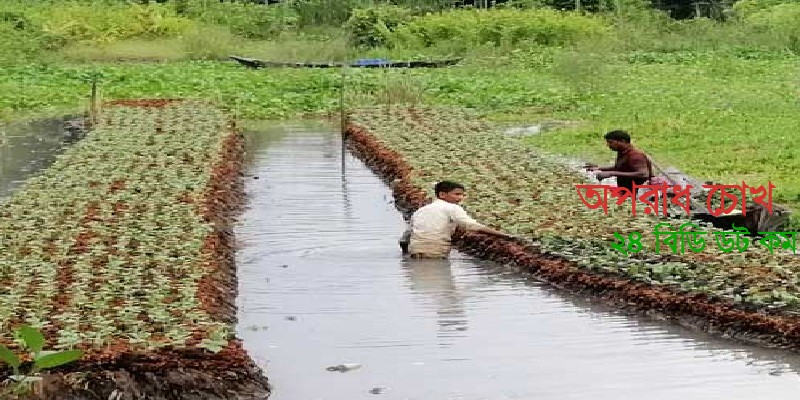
(127, 50)
(724, 119)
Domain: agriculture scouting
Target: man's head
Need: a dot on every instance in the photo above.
(618, 140)
(449, 191)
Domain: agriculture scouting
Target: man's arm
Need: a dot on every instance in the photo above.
(464, 221)
(490, 231)
(592, 167)
(637, 174)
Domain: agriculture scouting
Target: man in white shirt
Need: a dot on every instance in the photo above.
(432, 226)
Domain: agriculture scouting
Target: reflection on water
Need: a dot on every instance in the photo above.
(322, 282)
(434, 279)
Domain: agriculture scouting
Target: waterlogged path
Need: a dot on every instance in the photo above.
(322, 283)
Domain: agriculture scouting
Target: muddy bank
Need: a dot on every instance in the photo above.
(695, 311)
(118, 372)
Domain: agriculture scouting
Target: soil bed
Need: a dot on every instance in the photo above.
(161, 207)
(772, 328)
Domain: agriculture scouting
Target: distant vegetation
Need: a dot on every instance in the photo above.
(683, 86)
(32, 30)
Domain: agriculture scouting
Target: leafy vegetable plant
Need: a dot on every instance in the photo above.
(26, 374)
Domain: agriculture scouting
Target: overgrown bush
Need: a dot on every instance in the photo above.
(501, 27)
(324, 12)
(254, 21)
(745, 8)
(22, 45)
(17, 19)
(208, 43)
(80, 23)
(373, 27)
(781, 21)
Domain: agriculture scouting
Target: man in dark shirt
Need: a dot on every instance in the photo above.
(632, 165)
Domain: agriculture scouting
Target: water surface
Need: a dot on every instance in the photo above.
(322, 283)
(26, 148)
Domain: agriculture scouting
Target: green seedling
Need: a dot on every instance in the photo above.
(26, 374)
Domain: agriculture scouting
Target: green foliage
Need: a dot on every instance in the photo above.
(745, 8)
(523, 4)
(208, 43)
(87, 23)
(15, 19)
(181, 6)
(373, 27)
(25, 45)
(501, 27)
(654, 31)
(255, 21)
(22, 380)
(324, 12)
(32, 338)
(781, 21)
(52, 360)
(7, 356)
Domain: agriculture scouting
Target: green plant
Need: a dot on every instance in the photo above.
(20, 46)
(143, 172)
(501, 27)
(373, 26)
(25, 376)
(782, 21)
(325, 12)
(208, 43)
(254, 21)
(86, 23)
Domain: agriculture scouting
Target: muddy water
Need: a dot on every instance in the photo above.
(322, 284)
(26, 148)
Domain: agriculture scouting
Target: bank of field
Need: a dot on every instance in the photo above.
(533, 196)
(122, 249)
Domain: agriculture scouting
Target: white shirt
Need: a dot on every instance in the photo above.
(433, 225)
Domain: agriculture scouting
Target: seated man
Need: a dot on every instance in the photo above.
(432, 226)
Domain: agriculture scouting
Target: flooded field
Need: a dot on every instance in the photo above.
(26, 148)
(331, 310)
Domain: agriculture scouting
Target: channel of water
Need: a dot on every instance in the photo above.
(322, 283)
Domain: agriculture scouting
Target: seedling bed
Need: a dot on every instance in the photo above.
(124, 249)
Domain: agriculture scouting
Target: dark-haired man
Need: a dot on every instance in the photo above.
(432, 226)
(632, 165)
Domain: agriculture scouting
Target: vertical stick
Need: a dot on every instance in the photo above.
(93, 107)
(342, 114)
(343, 119)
